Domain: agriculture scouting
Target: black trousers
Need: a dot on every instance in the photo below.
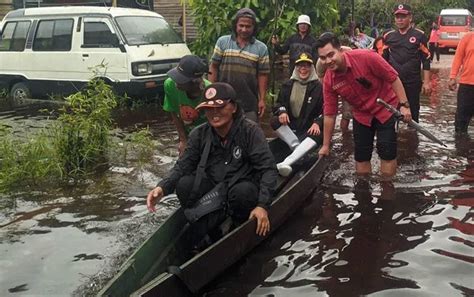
(434, 49)
(413, 90)
(465, 108)
(364, 140)
(242, 199)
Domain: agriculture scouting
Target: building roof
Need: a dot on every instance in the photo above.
(75, 10)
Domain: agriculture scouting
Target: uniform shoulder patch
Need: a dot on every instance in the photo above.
(421, 31)
(387, 33)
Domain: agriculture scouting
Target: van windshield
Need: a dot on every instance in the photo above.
(453, 20)
(139, 30)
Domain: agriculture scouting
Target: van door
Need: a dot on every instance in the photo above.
(48, 61)
(101, 50)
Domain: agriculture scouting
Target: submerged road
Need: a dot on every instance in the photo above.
(414, 237)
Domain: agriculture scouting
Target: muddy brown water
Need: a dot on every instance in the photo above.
(352, 237)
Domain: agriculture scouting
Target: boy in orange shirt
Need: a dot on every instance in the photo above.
(464, 61)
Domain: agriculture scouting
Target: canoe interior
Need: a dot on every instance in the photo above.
(146, 269)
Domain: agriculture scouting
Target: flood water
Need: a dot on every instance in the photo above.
(352, 237)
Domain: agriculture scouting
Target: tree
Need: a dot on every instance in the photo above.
(213, 18)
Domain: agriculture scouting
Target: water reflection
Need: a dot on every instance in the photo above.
(352, 237)
(412, 237)
(54, 241)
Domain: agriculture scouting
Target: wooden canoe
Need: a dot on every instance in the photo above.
(145, 273)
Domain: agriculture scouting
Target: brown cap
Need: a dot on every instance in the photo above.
(217, 95)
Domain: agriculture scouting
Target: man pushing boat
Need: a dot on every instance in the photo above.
(226, 170)
(361, 77)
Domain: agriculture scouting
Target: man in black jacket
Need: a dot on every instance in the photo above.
(302, 41)
(238, 147)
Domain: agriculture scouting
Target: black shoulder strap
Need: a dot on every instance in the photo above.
(202, 164)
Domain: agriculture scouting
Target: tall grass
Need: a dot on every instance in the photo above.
(81, 133)
(75, 145)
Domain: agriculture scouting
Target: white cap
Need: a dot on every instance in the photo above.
(304, 19)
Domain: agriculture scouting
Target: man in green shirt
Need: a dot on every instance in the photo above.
(183, 92)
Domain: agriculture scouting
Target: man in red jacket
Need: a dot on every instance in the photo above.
(360, 77)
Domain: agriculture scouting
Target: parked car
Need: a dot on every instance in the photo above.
(56, 50)
(453, 24)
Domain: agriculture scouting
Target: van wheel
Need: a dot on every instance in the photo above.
(20, 91)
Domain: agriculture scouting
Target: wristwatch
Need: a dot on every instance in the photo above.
(404, 104)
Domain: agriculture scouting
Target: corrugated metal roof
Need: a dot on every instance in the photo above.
(172, 11)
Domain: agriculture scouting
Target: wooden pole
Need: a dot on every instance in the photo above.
(184, 21)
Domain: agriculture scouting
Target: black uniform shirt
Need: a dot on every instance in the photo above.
(405, 52)
(296, 45)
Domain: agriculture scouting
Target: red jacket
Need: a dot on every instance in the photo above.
(367, 78)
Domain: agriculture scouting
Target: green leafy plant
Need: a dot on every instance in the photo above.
(141, 144)
(381, 12)
(25, 163)
(82, 130)
(274, 16)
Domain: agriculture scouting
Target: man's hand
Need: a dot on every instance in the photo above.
(314, 129)
(405, 111)
(263, 223)
(284, 119)
(324, 151)
(452, 84)
(261, 107)
(275, 40)
(181, 147)
(426, 88)
(153, 197)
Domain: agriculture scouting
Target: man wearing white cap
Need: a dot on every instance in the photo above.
(298, 43)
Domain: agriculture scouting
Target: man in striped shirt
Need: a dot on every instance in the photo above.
(242, 61)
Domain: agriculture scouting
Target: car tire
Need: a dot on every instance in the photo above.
(20, 91)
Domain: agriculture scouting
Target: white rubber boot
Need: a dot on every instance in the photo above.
(288, 136)
(284, 168)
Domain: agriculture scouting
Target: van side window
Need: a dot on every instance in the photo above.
(98, 34)
(53, 35)
(14, 36)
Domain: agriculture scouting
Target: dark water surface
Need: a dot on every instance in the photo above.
(414, 237)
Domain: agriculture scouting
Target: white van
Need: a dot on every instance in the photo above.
(53, 50)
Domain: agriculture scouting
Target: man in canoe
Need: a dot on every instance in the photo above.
(183, 92)
(360, 77)
(238, 156)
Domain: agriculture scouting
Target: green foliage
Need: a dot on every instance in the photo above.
(24, 163)
(142, 146)
(82, 130)
(75, 144)
(214, 18)
(381, 12)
